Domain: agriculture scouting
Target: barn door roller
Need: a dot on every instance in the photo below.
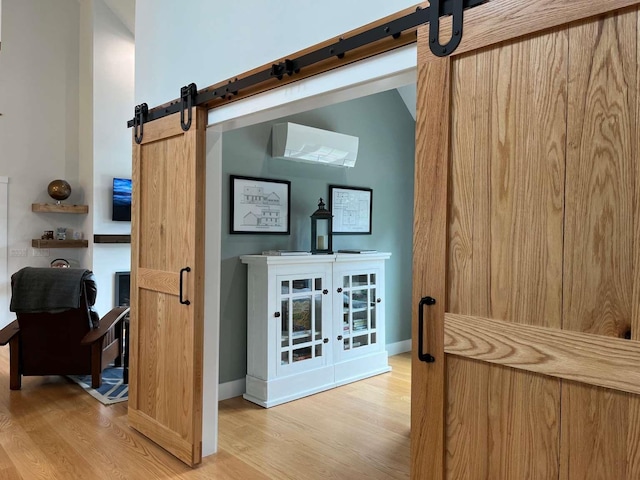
(187, 99)
(435, 46)
(139, 117)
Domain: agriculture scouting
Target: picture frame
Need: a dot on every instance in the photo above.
(259, 206)
(352, 209)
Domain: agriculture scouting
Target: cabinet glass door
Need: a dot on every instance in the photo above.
(359, 303)
(300, 330)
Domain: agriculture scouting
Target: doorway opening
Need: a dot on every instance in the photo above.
(373, 77)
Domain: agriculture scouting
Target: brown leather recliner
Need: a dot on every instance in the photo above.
(55, 332)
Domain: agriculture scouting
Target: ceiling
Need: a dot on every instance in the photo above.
(408, 94)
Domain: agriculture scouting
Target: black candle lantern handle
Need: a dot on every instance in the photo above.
(321, 215)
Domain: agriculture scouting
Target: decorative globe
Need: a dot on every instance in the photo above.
(59, 190)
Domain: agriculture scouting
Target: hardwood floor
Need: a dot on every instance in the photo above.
(51, 429)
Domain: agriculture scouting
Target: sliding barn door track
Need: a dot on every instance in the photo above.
(315, 61)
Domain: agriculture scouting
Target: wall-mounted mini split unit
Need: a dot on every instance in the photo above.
(313, 145)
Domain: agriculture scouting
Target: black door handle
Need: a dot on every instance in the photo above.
(422, 355)
(182, 270)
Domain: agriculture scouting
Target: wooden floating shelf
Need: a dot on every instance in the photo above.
(40, 243)
(110, 238)
(61, 208)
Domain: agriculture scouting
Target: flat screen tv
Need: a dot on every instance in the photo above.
(121, 211)
(122, 290)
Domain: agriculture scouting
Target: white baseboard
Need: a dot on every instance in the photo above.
(231, 389)
(399, 347)
(237, 388)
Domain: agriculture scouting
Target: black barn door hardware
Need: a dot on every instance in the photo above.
(183, 270)
(422, 355)
(288, 66)
(187, 96)
(434, 29)
(139, 117)
(339, 49)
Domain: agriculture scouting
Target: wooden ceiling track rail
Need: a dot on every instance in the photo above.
(378, 37)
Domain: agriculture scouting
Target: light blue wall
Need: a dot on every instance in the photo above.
(385, 164)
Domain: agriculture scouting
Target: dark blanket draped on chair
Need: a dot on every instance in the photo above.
(48, 289)
(54, 333)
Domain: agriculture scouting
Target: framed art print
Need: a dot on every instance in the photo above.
(351, 208)
(260, 205)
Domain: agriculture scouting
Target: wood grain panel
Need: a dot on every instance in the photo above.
(633, 432)
(165, 356)
(594, 432)
(519, 18)
(600, 178)
(524, 417)
(467, 381)
(582, 357)
(467, 421)
(174, 368)
(134, 336)
(599, 240)
(152, 202)
(172, 442)
(526, 185)
(635, 154)
(149, 306)
(429, 273)
(166, 282)
(633, 437)
(461, 216)
(544, 132)
(507, 193)
(525, 255)
(167, 336)
(165, 201)
(195, 285)
(181, 196)
(162, 129)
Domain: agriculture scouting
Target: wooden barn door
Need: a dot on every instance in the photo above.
(167, 285)
(527, 235)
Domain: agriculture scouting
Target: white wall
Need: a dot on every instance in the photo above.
(85, 132)
(66, 92)
(206, 42)
(39, 82)
(4, 273)
(113, 77)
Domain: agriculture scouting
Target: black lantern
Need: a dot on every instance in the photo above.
(321, 230)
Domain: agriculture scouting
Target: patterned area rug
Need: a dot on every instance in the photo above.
(112, 389)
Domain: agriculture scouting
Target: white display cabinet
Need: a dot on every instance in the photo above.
(313, 322)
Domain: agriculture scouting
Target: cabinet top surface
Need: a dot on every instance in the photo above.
(295, 259)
